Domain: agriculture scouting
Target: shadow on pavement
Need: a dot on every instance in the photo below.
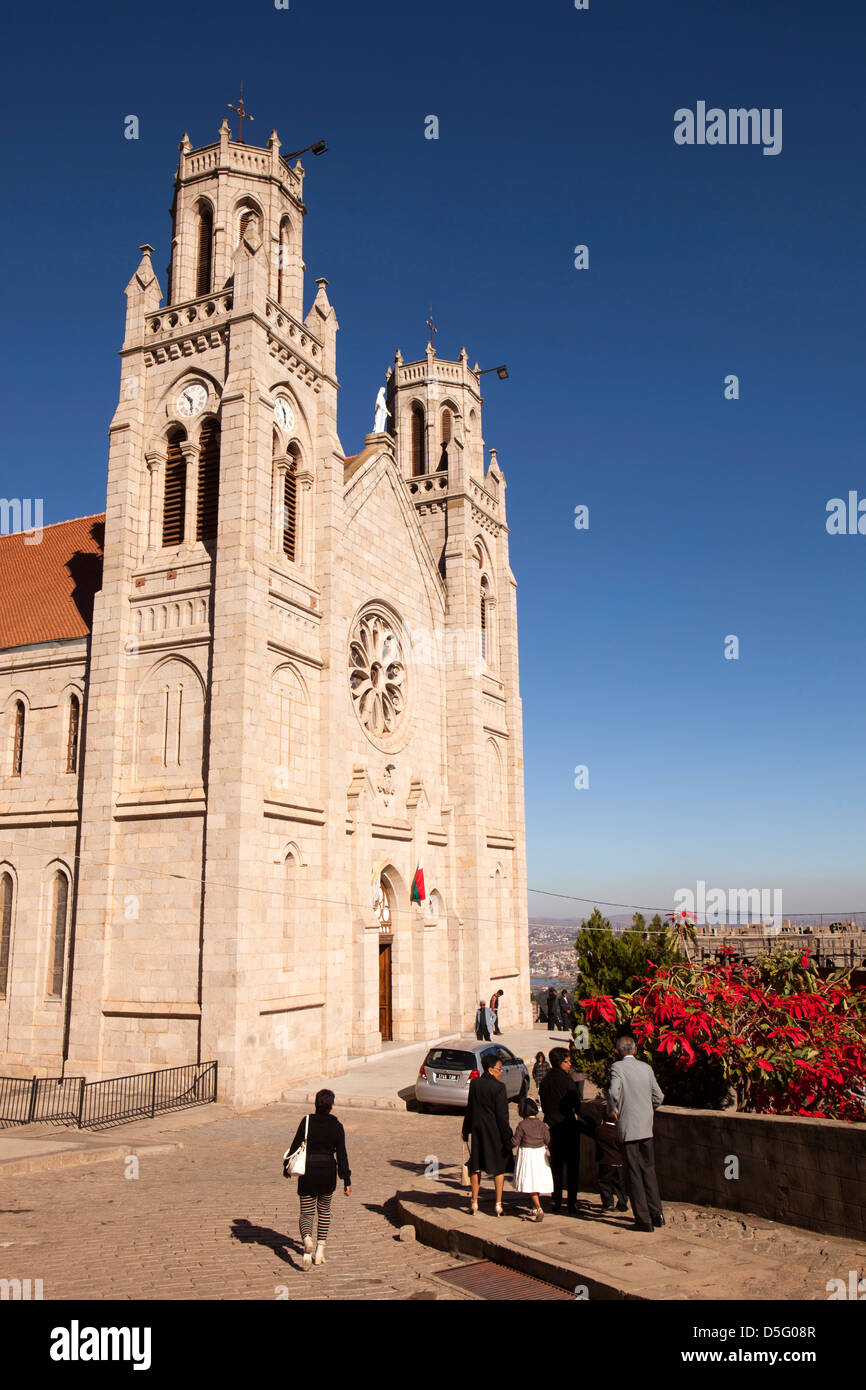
(248, 1234)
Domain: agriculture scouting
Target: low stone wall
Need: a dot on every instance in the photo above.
(808, 1173)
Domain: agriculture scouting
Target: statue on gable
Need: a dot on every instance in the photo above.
(382, 412)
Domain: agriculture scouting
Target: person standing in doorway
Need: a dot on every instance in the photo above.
(486, 1129)
(635, 1095)
(326, 1160)
(494, 1005)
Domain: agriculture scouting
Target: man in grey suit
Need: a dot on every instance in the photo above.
(634, 1096)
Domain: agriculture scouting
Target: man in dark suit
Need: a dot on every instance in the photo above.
(486, 1125)
(561, 1095)
(553, 1019)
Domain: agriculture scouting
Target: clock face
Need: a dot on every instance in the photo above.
(192, 399)
(283, 414)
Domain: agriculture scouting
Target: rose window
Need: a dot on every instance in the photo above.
(377, 675)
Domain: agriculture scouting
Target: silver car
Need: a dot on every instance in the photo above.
(447, 1070)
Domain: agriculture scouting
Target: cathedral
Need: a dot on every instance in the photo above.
(262, 792)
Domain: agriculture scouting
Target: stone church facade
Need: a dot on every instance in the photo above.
(243, 707)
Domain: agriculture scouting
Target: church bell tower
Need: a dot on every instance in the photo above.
(221, 448)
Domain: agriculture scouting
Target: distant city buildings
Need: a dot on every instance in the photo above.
(839, 943)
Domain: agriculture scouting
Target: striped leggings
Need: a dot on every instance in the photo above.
(309, 1205)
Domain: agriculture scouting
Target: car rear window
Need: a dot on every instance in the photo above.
(449, 1059)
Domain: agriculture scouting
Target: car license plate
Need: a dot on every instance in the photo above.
(447, 1076)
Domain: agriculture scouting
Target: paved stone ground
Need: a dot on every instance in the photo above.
(700, 1255)
(218, 1220)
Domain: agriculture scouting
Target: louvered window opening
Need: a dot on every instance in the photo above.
(417, 440)
(175, 496)
(283, 255)
(446, 426)
(204, 260)
(6, 889)
(61, 899)
(207, 510)
(484, 626)
(18, 744)
(246, 218)
(290, 514)
(72, 736)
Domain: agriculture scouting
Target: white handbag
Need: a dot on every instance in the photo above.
(295, 1161)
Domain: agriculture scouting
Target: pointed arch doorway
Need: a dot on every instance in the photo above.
(384, 916)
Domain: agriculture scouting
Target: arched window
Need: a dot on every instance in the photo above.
(283, 258)
(6, 890)
(169, 719)
(382, 905)
(485, 619)
(294, 729)
(289, 504)
(495, 784)
(290, 513)
(18, 739)
(249, 216)
(204, 248)
(59, 917)
(174, 506)
(446, 431)
(418, 461)
(290, 907)
(72, 734)
(207, 508)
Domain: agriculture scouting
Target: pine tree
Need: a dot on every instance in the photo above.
(616, 965)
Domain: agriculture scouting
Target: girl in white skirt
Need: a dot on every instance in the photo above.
(532, 1171)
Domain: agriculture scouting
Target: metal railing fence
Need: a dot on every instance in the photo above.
(95, 1104)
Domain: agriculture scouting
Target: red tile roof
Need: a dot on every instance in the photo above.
(46, 590)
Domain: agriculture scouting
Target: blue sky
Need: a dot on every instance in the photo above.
(706, 515)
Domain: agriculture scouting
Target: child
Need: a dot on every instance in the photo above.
(540, 1070)
(532, 1171)
(608, 1155)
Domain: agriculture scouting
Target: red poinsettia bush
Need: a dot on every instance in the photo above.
(785, 1040)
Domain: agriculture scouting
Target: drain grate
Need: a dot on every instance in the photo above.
(488, 1280)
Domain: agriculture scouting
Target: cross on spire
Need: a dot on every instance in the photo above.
(241, 111)
(431, 325)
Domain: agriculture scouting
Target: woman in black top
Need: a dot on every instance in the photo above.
(326, 1158)
(486, 1124)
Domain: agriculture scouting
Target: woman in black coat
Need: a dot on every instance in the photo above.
(326, 1158)
(486, 1124)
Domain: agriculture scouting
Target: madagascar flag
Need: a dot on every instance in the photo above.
(418, 894)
